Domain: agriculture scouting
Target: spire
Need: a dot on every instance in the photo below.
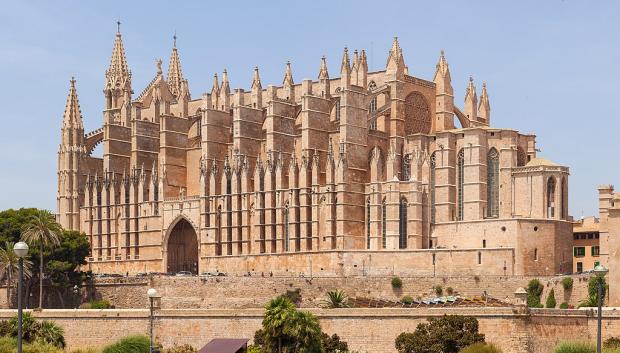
(484, 107)
(288, 75)
(225, 84)
(256, 85)
(72, 116)
(175, 74)
(323, 74)
(345, 69)
(442, 67)
(346, 64)
(471, 101)
(118, 73)
(362, 70)
(396, 61)
(215, 91)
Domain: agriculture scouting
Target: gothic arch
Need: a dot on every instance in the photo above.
(181, 246)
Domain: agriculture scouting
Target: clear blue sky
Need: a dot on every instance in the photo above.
(552, 67)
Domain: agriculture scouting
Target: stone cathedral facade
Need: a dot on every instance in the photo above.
(366, 172)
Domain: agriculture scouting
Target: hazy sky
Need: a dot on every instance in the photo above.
(551, 67)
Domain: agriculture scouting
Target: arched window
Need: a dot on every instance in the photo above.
(383, 224)
(406, 167)
(199, 127)
(550, 197)
(493, 183)
(286, 229)
(368, 223)
(337, 110)
(433, 162)
(402, 224)
(460, 184)
(373, 105)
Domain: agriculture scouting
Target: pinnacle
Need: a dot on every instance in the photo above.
(256, 79)
(175, 74)
(345, 60)
(323, 73)
(288, 75)
(118, 69)
(72, 116)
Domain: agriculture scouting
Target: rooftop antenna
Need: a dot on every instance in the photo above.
(118, 25)
(174, 37)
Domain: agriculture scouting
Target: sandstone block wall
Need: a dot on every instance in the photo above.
(368, 330)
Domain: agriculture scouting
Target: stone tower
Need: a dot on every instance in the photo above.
(71, 153)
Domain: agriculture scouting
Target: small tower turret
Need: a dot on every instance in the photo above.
(484, 107)
(257, 90)
(395, 63)
(71, 153)
(323, 86)
(444, 111)
(345, 70)
(175, 74)
(117, 89)
(471, 101)
(215, 93)
(224, 99)
(288, 84)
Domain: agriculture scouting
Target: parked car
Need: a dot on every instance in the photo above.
(184, 274)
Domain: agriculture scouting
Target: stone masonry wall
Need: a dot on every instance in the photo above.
(367, 330)
(233, 292)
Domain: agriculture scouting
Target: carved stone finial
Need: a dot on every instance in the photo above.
(158, 63)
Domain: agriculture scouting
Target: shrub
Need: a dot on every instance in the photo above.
(100, 304)
(534, 291)
(592, 299)
(333, 344)
(41, 347)
(567, 283)
(397, 283)
(29, 327)
(481, 347)
(449, 291)
(5, 328)
(574, 347)
(254, 349)
(86, 350)
(612, 343)
(50, 333)
(564, 305)
(438, 290)
(185, 348)
(550, 303)
(336, 299)
(447, 334)
(133, 344)
(407, 299)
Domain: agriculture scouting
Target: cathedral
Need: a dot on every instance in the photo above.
(358, 173)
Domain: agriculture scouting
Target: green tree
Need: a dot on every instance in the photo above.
(287, 330)
(550, 303)
(43, 230)
(534, 291)
(9, 265)
(592, 299)
(12, 223)
(447, 334)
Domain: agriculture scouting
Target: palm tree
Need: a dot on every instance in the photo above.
(305, 331)
(336, 299)
(9, 266)
(42, 229)
(278, 313)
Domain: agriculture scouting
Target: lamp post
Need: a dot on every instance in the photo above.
(600, 271)
(152, 294)
(21, 250)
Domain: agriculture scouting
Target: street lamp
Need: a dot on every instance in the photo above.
(600, 271)
(152, 294)
(21, 250)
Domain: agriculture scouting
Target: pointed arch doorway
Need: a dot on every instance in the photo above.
(182, 248)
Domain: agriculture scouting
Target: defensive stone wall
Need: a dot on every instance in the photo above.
(515, 330)
(255, 291)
